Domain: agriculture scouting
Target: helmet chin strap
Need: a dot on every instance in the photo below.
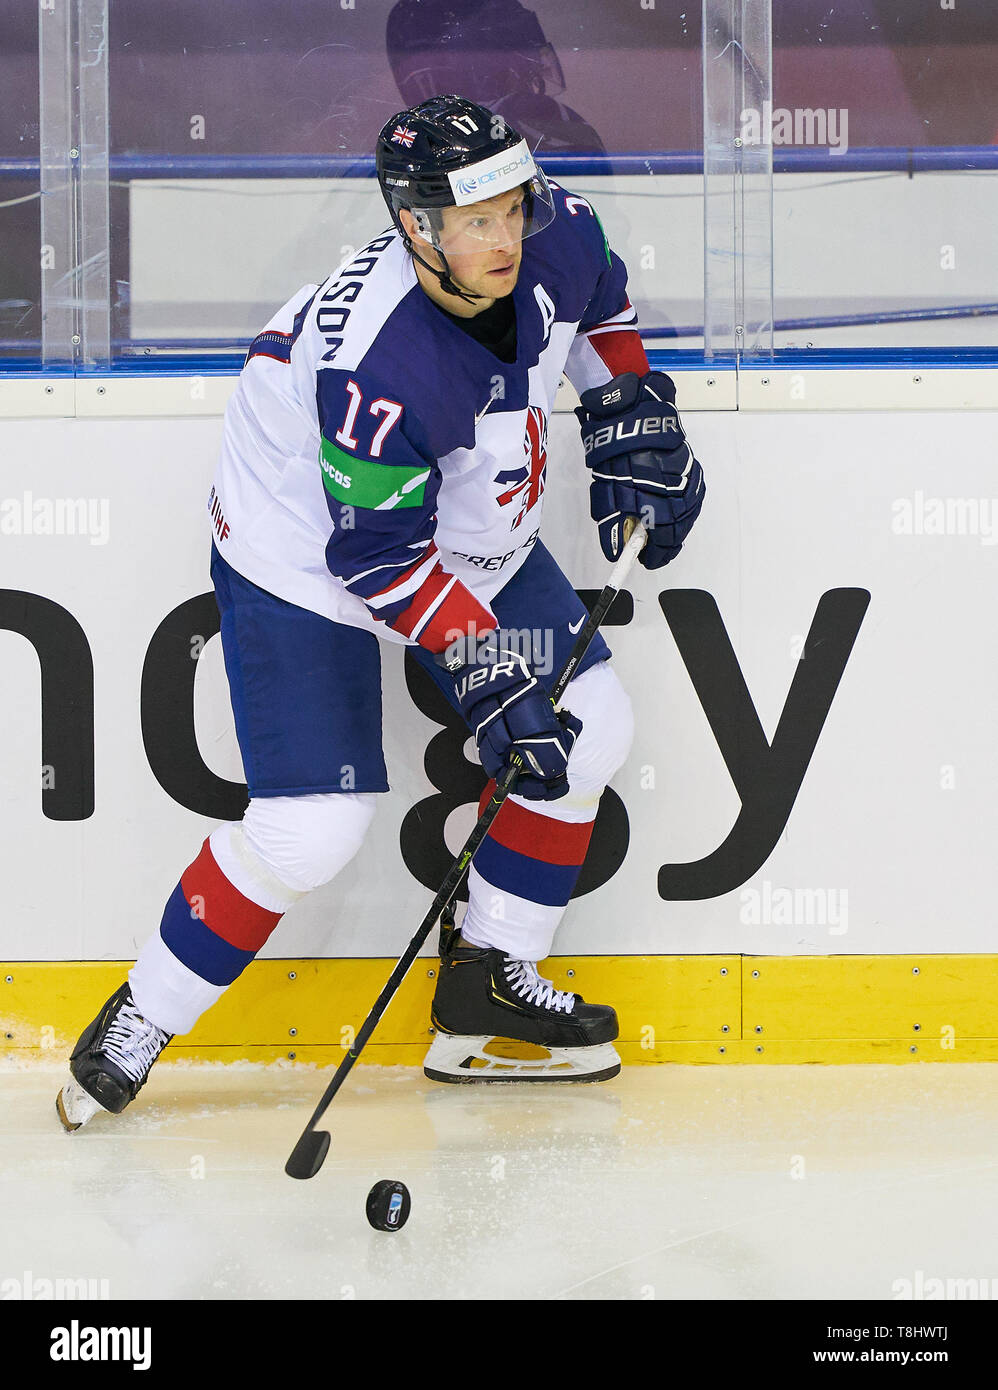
(447, 283)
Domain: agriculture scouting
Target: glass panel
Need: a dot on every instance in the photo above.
(242, 138)
(20, 189)
(884, 124)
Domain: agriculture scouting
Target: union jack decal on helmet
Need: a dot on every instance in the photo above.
(402, 135)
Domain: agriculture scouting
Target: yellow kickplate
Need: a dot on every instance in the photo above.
(293, 1005)
(686, 1009)
(938, 1005)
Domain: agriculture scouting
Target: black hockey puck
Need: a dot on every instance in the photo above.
(388, 1204)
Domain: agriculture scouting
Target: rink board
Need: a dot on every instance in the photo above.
(672, 1009)
(868, 533)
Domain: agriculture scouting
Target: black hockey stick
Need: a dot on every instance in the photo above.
(308, 1154)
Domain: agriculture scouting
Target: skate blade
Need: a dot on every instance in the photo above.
(453, 1058)
(75, 1106)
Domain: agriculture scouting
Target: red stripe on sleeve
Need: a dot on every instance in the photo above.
(458, 614)
(221, 906)
(537, 836)
(622, 351)
(437, 579)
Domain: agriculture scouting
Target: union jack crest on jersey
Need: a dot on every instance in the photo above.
(402, 135)
(528, 480)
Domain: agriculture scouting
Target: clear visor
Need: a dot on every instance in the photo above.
(495, 223)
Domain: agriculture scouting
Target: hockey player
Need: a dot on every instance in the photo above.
(381, 479)
(500, 55)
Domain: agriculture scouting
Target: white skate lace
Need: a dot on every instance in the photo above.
(133, 1043)
(524, 980)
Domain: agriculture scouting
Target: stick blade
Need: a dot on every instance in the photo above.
(308, 1154)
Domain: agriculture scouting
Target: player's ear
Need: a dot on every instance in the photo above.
(408, 220)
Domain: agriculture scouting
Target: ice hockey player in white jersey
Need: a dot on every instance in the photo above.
(382, 479)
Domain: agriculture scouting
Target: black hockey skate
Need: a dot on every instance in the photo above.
(496, 1019)
(111, 1061)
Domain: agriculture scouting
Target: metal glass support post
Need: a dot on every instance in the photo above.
(738, 177)
(94, 220)
(58, 161)
(755, 203)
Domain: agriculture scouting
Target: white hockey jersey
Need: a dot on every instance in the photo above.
(380, 466)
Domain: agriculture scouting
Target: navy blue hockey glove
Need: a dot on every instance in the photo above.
(508, 710)
(641, 463)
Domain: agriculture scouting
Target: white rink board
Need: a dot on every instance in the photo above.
(896, 810)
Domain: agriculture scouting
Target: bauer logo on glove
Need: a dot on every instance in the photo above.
(642, 465)
(509, 712)
(625, 429)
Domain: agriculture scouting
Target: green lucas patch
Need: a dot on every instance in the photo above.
(365, 483)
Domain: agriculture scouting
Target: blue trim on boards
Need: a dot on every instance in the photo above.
(661, 359)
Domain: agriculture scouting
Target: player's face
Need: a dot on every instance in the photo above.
(483, 243)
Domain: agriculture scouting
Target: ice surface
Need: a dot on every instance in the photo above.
(667, 1182)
